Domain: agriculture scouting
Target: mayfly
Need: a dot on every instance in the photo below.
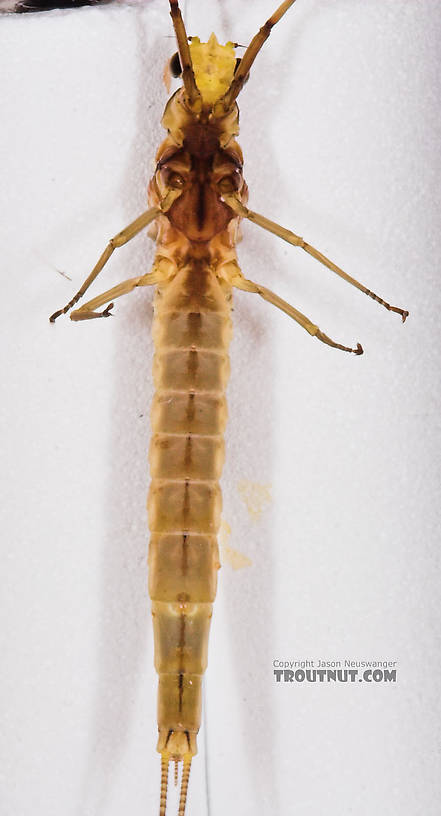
(197, 198)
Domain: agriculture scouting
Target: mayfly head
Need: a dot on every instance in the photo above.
(213, 66)
(212, 76)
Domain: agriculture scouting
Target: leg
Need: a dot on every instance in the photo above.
(249, 286)
(87, 311)
(249, 56)
(295, 240)
(191, 89)
(121, 238)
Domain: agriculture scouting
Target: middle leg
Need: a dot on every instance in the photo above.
(296, 240)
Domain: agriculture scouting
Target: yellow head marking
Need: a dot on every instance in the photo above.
(213, 67)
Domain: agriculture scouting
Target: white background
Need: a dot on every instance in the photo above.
(341, 134)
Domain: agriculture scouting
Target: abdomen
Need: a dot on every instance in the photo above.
(191, 331)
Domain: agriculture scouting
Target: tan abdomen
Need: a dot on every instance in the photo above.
(191, 331)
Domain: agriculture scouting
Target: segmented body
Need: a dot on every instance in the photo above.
(192, 330)
(197, 197)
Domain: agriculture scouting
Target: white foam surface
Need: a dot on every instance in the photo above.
(341, 134)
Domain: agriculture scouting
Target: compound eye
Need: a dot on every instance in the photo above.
(175, 66)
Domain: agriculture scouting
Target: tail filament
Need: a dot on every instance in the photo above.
(165, 759)
(184, 784)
